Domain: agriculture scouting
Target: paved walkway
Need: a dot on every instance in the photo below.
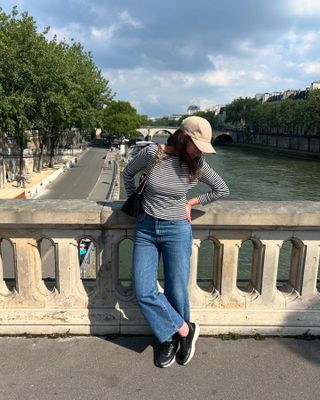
(89, 368)
(10, 190)
(99, 192)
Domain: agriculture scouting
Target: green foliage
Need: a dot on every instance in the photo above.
(57, 335)
(229, 336)
(165, 121)
(285, 116)
(121, 119)
(208, 115)
(46, 85)
(257, 336)
(307, 336)
(240, 111)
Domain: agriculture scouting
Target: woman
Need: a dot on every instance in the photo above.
(163, 227)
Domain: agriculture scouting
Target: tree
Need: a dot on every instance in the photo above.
(209, 116)
(121, 119)
(47, 86)
(240, 110)
(17, 76)
(312, 110)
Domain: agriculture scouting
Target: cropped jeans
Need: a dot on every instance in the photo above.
(165, 312)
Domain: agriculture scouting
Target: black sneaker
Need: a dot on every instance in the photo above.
(167, 353)
(188, 343)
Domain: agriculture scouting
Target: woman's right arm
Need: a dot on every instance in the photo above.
(138, 163)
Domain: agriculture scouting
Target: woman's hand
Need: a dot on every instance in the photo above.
(188, 212)
(192, 202)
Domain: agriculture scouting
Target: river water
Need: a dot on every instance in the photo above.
(254, 174)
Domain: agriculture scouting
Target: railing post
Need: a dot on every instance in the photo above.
(270, 297)
(29, 284)
(68, 276)
(229, 292)
(310, 275)
(4, 291)
(194, 293)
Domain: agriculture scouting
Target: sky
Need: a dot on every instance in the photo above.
(163, 55)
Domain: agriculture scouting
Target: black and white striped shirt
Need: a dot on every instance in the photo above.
(168, 183)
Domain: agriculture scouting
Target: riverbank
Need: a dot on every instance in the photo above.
(276, 150)
(36, 182)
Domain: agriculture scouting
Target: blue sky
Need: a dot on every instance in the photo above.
(163, 56)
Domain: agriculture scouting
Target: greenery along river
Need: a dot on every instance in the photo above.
(259, 175)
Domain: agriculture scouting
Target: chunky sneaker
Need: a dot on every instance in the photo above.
(167, 353)
(188, 343)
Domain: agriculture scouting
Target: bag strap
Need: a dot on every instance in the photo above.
(144, 180)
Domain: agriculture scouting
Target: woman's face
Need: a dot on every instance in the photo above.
(193, 150)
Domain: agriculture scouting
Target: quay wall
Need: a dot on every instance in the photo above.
(307, 144)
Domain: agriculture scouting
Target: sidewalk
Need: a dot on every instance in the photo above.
(122, 368)
(108, 178)
(36, 181)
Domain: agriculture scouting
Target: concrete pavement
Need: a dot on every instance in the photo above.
(35, 181)
(121, 368)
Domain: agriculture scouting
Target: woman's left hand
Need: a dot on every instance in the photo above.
(192, 202)
(188, 212)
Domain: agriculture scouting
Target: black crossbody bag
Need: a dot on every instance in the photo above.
(132, 206)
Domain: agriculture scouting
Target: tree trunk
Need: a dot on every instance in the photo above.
(53, 144)
(19, 135)
(39, 169)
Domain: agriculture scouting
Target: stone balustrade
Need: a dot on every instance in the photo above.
(104, 304)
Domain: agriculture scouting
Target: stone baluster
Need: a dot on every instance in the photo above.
(4, 291)
(270, 296)
(69, 283)
(195, 293)
(311, 268)
(107, 274)
(29, 284)
(230, 294)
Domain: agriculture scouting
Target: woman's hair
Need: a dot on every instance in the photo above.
(179, 141)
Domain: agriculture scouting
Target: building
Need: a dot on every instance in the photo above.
(193, 109)
(287, 94)
(215, 109)
(315, 85)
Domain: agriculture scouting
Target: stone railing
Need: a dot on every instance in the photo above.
(44, 234)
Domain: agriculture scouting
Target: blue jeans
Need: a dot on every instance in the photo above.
(165, 312)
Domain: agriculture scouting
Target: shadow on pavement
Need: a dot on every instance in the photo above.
(138, 344)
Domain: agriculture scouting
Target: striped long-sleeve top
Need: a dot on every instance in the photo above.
(168, 183)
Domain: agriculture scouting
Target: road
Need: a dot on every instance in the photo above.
(79, 181)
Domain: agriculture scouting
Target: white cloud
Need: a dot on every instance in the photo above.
(310, 68)
(66, 32)
(126, 18)
(162, 67)
(105, 33)
(305, 7)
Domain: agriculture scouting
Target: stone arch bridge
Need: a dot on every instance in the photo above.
(150, 131)
(219, 137)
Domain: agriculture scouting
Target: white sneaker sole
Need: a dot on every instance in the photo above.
(167, 365)
(193, 346)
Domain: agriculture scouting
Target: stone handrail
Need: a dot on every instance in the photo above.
(29, 306)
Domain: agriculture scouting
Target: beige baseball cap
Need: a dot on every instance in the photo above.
(199, 129)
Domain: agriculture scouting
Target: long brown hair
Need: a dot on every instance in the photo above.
(179, 141)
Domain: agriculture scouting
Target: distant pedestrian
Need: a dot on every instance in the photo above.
(164, 227)
(83, 252)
